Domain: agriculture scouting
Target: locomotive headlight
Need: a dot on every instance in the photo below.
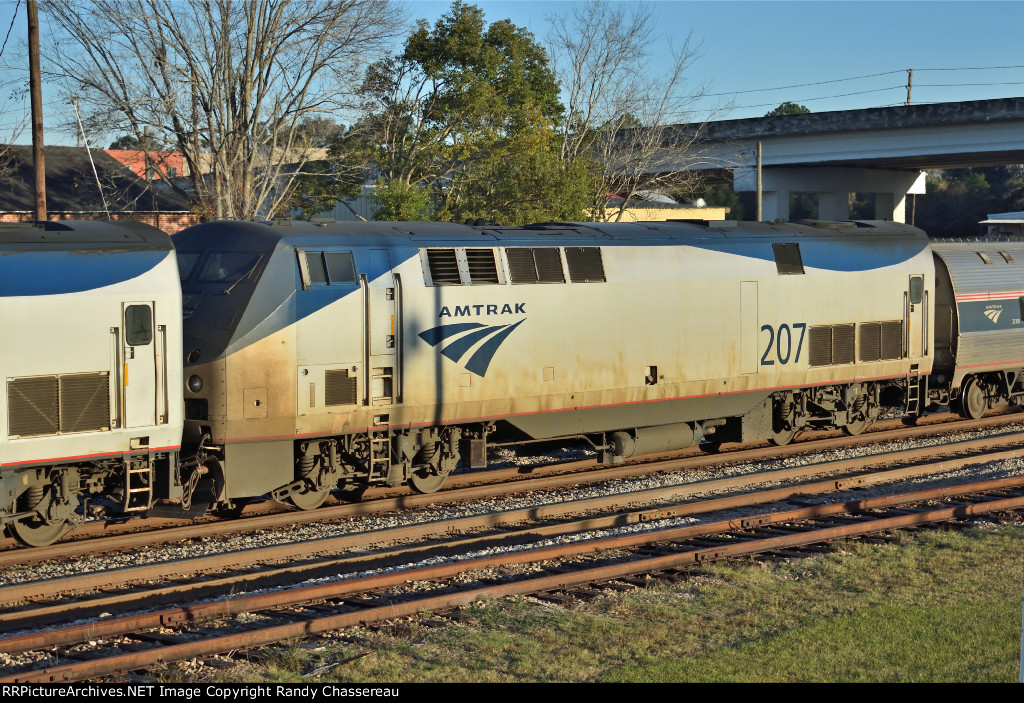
(195, 383)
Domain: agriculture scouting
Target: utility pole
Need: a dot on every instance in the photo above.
(910, 83)
(759, 201)
(36, 91)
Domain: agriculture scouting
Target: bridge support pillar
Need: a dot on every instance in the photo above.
(833, 187)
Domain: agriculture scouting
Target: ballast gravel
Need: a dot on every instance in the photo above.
(372, 523)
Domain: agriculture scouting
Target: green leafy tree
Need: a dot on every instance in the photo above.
(469, 112)
(956, 200)
(398, 200)
(788, 108)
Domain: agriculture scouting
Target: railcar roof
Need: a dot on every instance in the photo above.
(267, 235)
(82, 235)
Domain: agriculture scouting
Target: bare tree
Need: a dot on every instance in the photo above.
(228, 83)
(636, 127)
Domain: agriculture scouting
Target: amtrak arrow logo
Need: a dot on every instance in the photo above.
(994, 315)
(460, 337)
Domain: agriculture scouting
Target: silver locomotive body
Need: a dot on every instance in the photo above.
(91, 363)
(343, 355)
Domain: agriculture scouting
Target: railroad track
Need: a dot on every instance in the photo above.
(368, 596)
(469, 486)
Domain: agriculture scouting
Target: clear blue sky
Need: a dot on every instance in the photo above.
(749, 46)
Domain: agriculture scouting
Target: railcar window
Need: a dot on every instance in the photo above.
(228, 266)
(138, 325)
(316, 272)
(916, 289)
(585, 264)
(341, 267)
(187, 261)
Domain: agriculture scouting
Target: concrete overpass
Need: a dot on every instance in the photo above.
(878, 150)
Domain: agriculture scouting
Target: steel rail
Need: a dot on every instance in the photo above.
(682, 559)
(249, 581)
(452, 494)
(190, 567)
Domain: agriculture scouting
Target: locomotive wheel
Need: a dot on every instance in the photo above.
(309, 500)
(783, 420)
(972, 403)
(424, 481)
(34, 531)
(855, 428)
(780, 437)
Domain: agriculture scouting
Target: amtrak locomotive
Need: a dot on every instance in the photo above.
(332, 357)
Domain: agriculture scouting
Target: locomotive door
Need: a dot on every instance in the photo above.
(916, 316)
(139, 355)
(381, 330)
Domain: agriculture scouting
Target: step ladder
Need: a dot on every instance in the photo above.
(913, 391)
(138, 493)
(380, 454)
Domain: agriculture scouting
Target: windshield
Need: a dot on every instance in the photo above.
(228, 266)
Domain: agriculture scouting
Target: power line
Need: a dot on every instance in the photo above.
(14, 17)
(826, 97)
(802, 85)
(870, 75)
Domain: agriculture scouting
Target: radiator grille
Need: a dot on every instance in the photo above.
(48, 405)
(549, 265)
(520, 265)
(831, 345)
(482, 268)
(585, 264)
(444, 267)
(32, 406)
(543, 265)
(84, 402)
(819, 348)
(892, 339)
(339, 388)
(843, 344)
(870, 341)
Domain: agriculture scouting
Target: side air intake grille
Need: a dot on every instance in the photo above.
(585, 264)
(543, 265)
(831, 345)
(482, 268)
(787, 259)
(842, 344)
(820, 345)
(870, 341)
(32, 406)
(339, 388)
(84, 402)
(444, 267)
(892, 339)
(49, 405)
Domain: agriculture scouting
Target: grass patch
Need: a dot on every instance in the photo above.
(945, 605)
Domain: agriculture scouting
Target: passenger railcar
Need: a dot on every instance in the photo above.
(979, 335)
(343, 355)
(90, 354)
